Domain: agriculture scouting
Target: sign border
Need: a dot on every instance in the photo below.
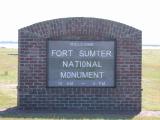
(115, 66)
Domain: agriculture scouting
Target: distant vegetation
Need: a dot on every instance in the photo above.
(9, 42)
(152, 45)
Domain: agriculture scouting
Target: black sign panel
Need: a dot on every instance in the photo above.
(81, 63)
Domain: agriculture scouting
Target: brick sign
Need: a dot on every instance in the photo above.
(81, 63)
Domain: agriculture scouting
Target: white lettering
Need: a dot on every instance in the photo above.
(95, 53)
(61, 53)
(83, 64)
(79, 75)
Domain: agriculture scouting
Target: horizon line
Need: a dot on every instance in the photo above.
(17, 42)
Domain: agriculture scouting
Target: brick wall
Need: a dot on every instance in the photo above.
(32, 85)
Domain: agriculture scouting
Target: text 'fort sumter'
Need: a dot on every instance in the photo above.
(78, 64)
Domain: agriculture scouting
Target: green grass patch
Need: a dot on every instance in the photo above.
(8, 98)
(151, 64)
(8, 66)
(151, 79)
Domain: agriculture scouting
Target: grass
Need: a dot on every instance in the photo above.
(151, 64)
(7, 98)
(8, 75)
(57, 116)
(151, 79)
(150, 85)
(8, 66)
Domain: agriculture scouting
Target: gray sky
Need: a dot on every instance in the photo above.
(141, 14)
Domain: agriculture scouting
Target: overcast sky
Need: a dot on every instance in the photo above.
(141, 14)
